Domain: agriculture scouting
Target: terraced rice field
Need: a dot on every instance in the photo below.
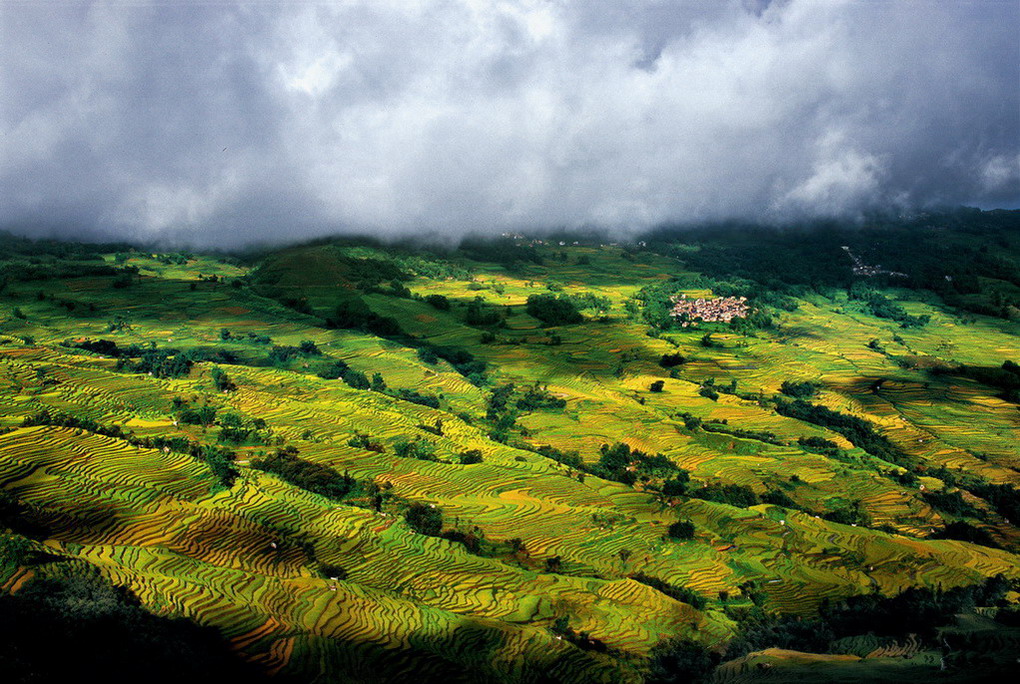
(253, 558)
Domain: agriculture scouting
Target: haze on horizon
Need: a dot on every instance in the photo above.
(220, 123)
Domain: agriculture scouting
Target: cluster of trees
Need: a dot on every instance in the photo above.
(1005, 378)
(21, 519)
(819, 445)
(40, 251)
(25, 270)
(553, 310)
(859, 431)
(881, 306)
(219, 459)
(470, 457)
(360, 440)
(463, 361)
(238, 429)
(161, 363)
(438, 301)
(722, 427)
(622, 464)
(425, 519)
(313, 477)
(915, 611)
(507, 402)
(505, 252)
(742, 496)
(221, 380)
(732, 494)
(568, 458)
(353, 313)
(680, 593)
(282, 354)
(585, 301)
(680, 661)
(416, 397)
(681, 530)
(537, 397)
(799, 389)
(203, 415)
(227, 336)
(418, 448)
(1004, 498)
(672, 360)
(480, 313)
(336, 369)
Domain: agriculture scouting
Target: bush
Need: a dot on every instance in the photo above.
(470, 457)
(683, 594)
(417, 448)
(425, 519)
(553, 310)
(949, 502)
(672, 360)
(338, 369)
(480, 313)
(682, 530)
(355, 314)
(315, 478)
(656, 386)
(203, 415)
(309, 348)
(858, 431)
(438, 302)
(362, 441)
(356, 379)
(680, 661)
(416, 397)
(677, 486)
(537, 397)
(962, 531)
(798, 390)
(709, 393)
(222, 380)
(732, 494)
(778, 498)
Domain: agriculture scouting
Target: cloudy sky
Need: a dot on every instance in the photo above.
(222, 122)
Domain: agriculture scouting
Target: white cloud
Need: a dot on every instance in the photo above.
(230, 123)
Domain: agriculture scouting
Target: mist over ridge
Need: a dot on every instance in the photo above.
(225, 124)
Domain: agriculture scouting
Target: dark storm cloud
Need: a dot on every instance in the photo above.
(217, 122)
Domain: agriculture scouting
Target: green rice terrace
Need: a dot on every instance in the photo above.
(733, 455)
